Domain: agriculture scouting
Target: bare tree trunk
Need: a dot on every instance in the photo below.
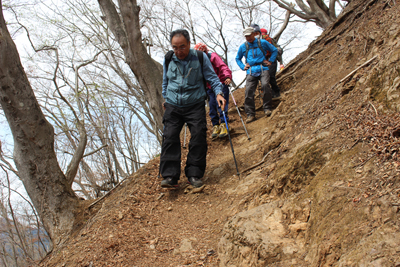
(283, 27)
(126, 29)
(34, 155)
(315, 11)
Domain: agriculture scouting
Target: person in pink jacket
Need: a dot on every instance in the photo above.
(225, 76)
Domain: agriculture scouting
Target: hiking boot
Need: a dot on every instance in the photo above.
(223, 130)
(216, 130)
(250, 118)
(196, 182)
(268, 112)
(169, 182)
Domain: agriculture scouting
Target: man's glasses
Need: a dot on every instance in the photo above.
(181, 48)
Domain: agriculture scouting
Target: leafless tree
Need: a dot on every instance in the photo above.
(105, 86)
(246, 11)
(322, 13)
(218, 24)
(47, 186)
(75, 95)
(124, 22)
(22, 238)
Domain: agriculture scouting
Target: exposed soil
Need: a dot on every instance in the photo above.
(142, 224)
(340, 138)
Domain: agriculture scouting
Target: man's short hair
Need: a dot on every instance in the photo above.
(182, 32)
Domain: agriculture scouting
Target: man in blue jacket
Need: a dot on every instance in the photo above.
(184, 91)
(254, 51)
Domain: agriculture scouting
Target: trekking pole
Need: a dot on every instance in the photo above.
(184, 138)
(230, 140)
(162, 142)
(240, 115)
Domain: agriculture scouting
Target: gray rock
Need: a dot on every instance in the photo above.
(261, 236)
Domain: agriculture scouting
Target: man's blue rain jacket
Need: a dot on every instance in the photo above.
(255, 56)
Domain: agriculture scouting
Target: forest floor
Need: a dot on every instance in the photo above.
(350, 123)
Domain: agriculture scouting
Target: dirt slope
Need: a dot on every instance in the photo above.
(320, 181)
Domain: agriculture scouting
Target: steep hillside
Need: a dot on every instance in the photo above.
(320, 178)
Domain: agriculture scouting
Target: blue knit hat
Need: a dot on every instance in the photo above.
(256, 27)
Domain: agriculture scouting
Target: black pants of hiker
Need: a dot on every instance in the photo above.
(251, 86)
(272, 78)
(174, 119)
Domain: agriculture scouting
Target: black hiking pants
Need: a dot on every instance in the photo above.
(251, 86)
(174, 119)
(272, 78)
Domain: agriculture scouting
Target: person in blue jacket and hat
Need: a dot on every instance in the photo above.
(256, 67)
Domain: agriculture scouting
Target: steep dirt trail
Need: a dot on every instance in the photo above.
(141, 224)
(331, 171)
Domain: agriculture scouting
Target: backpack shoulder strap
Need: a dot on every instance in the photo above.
(200, 56)
(259, 46)
(168, 58)
(169, 54)
(247, 50)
